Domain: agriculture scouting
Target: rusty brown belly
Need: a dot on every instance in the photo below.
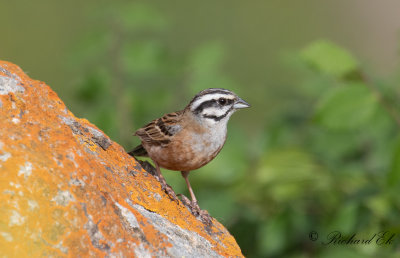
(185, 155)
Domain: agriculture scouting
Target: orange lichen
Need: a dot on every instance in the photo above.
(67, 190)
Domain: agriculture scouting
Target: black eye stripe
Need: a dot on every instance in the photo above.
(225, 101)
(212, 103)
(204, 105)
(218, 118)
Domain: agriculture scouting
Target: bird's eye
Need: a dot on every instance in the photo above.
(222, 101)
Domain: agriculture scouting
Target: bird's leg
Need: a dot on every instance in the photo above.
(159, 175)
(164, 184)
(194, 206)
(185, 175)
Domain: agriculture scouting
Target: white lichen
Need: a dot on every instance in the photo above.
(16, 219)
(15, 185)
(63, 198)
(33, 205)
(8, 85)
(76, 182)
(128, 215)
(141, 251)
(26, 170)
(7, 236)
(5, 156)
(71, 157)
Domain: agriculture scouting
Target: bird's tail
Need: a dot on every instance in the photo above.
(138, 151)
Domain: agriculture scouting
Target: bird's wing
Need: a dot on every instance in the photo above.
(161, 130)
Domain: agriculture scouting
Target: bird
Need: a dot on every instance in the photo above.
(188, 139)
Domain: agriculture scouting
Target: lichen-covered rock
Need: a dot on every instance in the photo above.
(66, 189)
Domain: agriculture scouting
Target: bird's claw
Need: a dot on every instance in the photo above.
(185, 201)
(168, 190)
(196, 211)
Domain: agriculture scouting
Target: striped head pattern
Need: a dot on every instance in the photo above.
(216, 104)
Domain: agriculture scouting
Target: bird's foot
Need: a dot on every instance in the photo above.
(196, 211)
(205, 217)
(168, 190)
(185, 201)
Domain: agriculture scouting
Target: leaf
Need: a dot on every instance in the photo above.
(106, 121)
(328, 58)
(345, 219)
(272, 236)
(379, 205)
(90, 47)
(142, 58)
(207, 58)
(289, 173)
(205, 63)
(221, 205)
(349, 107)
(344, 251)
(393, 177)
(94, 86)
(285, 165)
(140, 16)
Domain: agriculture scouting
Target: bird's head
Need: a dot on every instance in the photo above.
(215, 105)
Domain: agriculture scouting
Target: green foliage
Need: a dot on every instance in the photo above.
(142, 58)
(346, 107)
(272, 236)
(204, 68)
(329, 58)
(139, 16)
(327, 159)
(393, 178)
(284, 173)
(334, 167)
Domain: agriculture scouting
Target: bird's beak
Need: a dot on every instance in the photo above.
(240, 103)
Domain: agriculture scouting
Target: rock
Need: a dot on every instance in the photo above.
(66, 189)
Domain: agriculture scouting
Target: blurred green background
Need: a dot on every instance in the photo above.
(318, 151)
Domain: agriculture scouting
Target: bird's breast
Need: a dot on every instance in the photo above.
(188, 150)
